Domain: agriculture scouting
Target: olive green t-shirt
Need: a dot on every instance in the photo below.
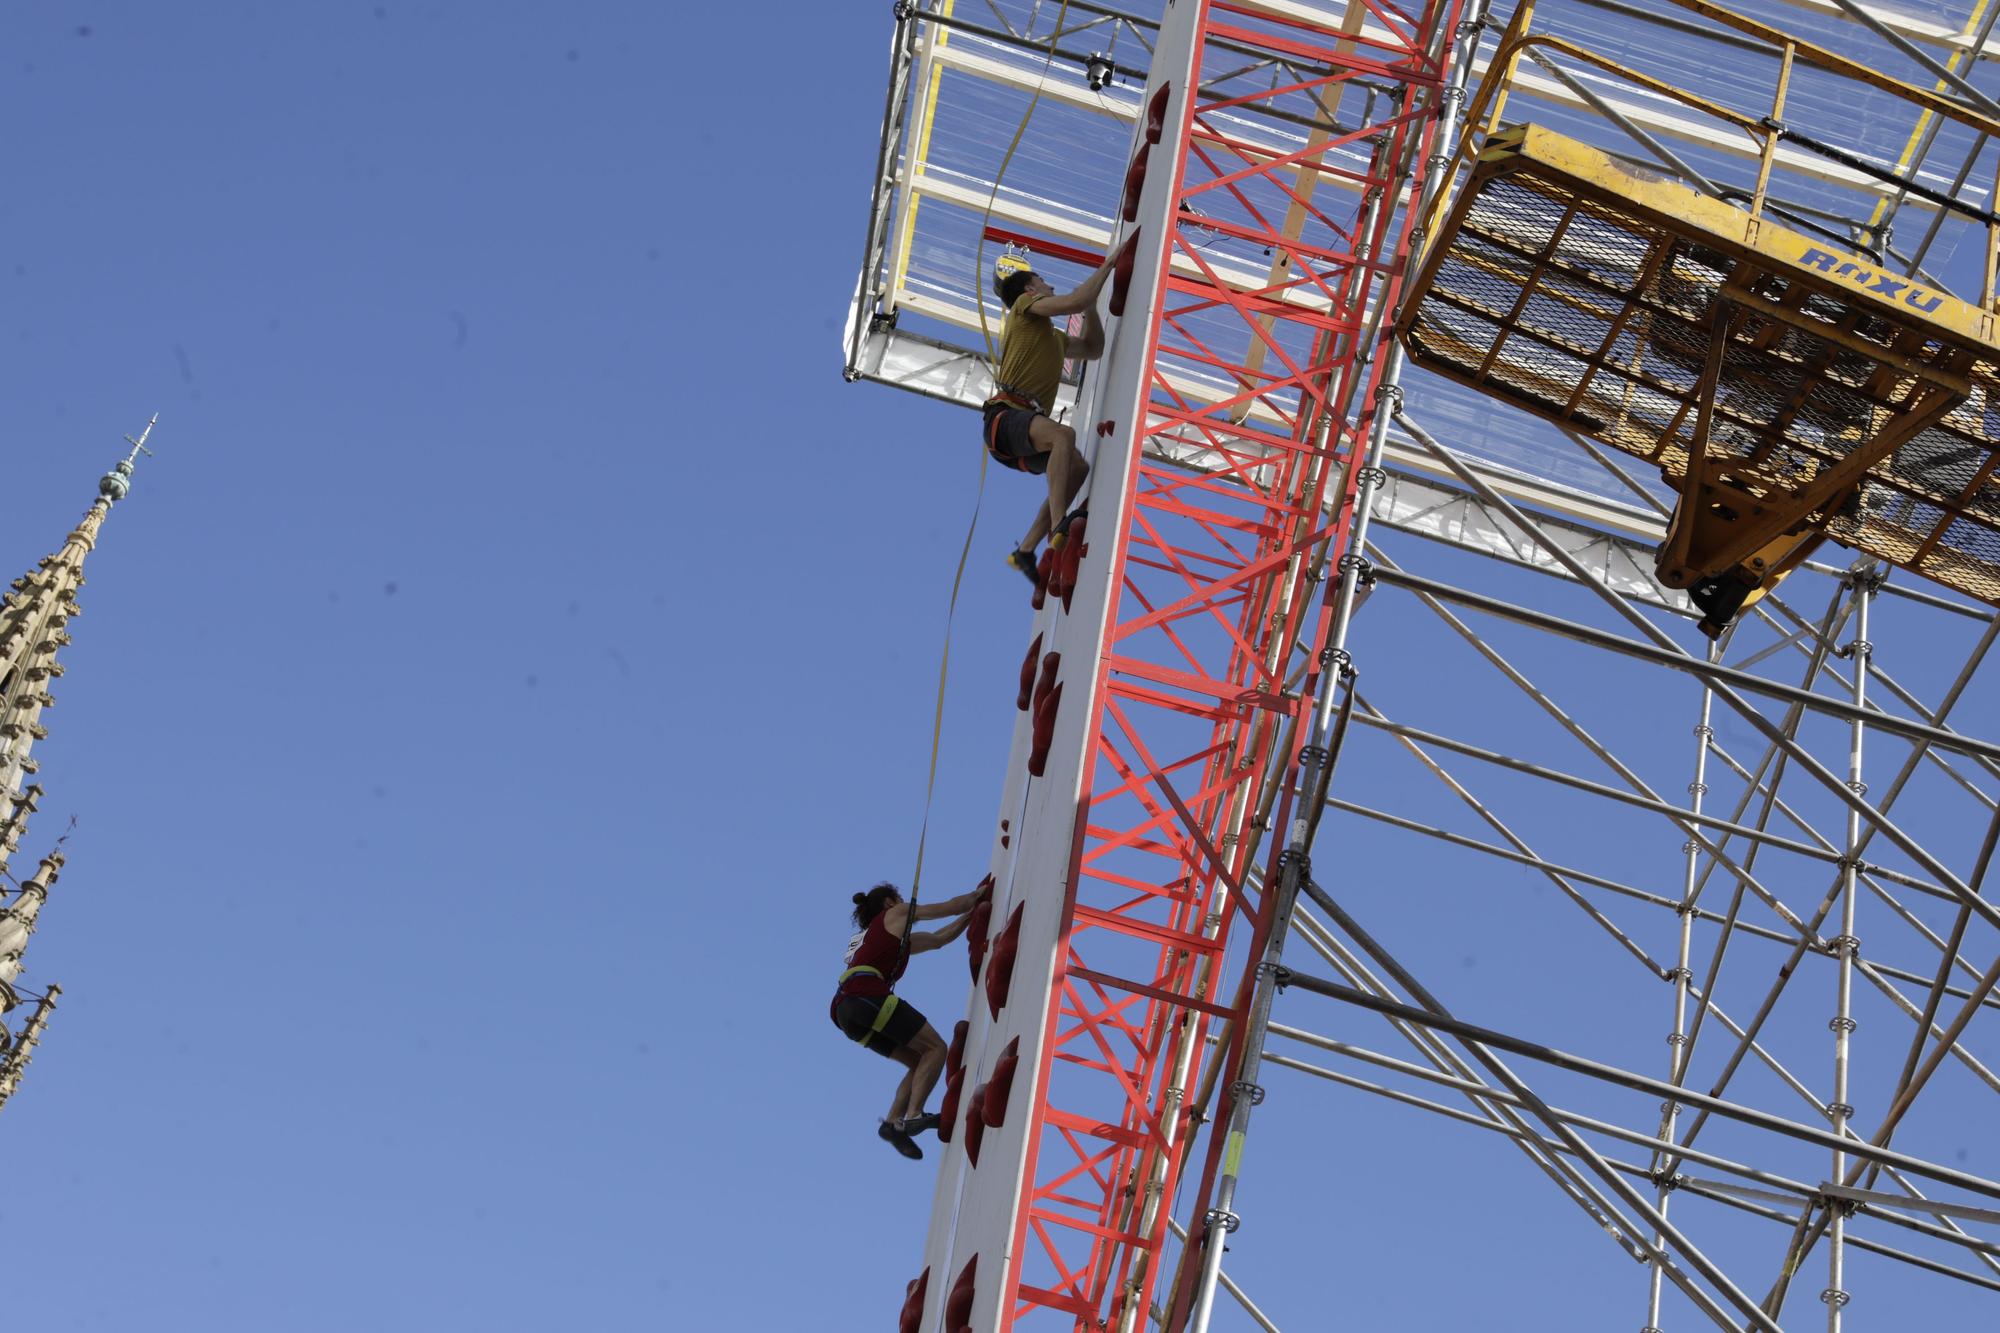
(1031, 353)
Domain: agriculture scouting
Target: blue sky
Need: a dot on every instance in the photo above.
(519, 649)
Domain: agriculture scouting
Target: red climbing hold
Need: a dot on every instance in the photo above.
(954, 1054)
(1027, 682)
(954, 1078)
(993, 1108)
(975, 1124)
(975, 933)
(954, 1084)
(1135, 184)
(1044, 731)
(1121, 273)
(1063, 584)
(1156, 113)
(1000, 965)
(1047, 680)
(958, 1302)
(1042, 578)
(913, 1304)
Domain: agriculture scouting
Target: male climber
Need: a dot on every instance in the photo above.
(1019, 432)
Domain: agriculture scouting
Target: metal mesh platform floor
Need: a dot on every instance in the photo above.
(1603, 298)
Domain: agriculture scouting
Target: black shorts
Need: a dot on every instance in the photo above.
(1007, 438)
(879, 1022)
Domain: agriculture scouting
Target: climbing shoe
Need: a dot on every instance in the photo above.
(917, 1124)
(898, 1140)
(1060, 536)
(1025, 562)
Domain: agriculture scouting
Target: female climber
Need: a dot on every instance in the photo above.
(866, 1008)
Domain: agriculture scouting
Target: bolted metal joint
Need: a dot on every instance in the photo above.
(903, 10)
(1677, 1039)
(1841, 1023)
(1295, 856)
(1835, 1297)
(1844, 944)
(1373, 477)
(1242, 1088)
(1280, 975)
(1223, 1218)
(1353, 560)
(1704, 731)
(1311, 754)
(1336, 657)
(1697, 789)
(1858, 788)
(1840, 1110)
(1680, 974)
(1391, 394)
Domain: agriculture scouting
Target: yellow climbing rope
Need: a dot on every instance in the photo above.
(979, 497)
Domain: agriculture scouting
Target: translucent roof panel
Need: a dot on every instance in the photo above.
(977, 69)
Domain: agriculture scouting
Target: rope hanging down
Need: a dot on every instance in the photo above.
(979, 496)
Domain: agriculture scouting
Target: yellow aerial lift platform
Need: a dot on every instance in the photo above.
(1792, 391)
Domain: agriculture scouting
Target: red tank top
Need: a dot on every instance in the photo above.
(874, 946)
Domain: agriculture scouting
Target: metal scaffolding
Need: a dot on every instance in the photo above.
(1564, 825)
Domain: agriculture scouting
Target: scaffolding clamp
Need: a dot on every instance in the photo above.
(1243, 1088)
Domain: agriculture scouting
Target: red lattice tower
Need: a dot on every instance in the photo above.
(1125, 865)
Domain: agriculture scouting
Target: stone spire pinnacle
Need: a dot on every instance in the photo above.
(14, 1054)
(17, 923)
(35, 612)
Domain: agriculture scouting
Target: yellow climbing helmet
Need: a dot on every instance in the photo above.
(1010, 262)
